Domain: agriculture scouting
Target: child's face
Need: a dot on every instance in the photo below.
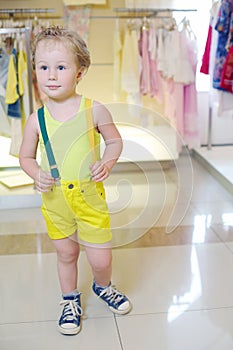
(57, 70)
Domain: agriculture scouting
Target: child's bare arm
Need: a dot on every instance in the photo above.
(113, 141)
(27, 156)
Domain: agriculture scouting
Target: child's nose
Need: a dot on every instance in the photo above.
(52, 74)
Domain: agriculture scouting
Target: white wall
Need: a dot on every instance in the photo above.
(222, 125)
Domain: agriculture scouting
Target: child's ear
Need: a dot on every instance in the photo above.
(80, 74)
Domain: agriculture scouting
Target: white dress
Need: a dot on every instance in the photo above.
(131, 66)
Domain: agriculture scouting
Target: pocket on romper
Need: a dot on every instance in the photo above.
(51, 199)
(93, 194)
(92, 188)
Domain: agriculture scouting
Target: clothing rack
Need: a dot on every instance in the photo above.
(146, 12)
(26, 12)
(138, 13)
(25, 31)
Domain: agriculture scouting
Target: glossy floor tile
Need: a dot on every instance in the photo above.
(208, 329)
(220, 157)
(171, 288)
(218, 161)
(173, 256)
(44, 335)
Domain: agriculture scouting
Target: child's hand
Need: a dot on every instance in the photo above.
(44, 181)
(99, 171)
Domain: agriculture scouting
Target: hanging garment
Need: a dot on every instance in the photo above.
(12, 88)
(14, 92)
(21, 69)
(23, 84)
(161, 51)
(145, 62)
(16, 136)
(4, 64)
(173, 61)
(179, 114)
(224, 27)
(206, 56)
(117, 53)
(155, 78)
(84, 2)
(78, 19)
(170, 101)
(191, 121)
(4, 120)
(207, 65)
(226, 82)
(214, 39)
(131, 66)
(183, 68)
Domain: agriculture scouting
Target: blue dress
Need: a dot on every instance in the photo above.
(224, 26)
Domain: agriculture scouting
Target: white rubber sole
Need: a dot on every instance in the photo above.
(118, 312)
(69, 331)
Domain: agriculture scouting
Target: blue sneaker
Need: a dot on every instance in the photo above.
(116, 301)
(70, 320)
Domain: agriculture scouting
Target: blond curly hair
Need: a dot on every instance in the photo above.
(71, 38)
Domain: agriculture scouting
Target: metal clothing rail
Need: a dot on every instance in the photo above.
(138, 13)
(25, 31)
(25, 12)
(147, 12)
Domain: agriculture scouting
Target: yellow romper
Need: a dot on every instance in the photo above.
(79, 204)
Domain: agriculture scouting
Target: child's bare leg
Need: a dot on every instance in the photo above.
(67, 255)
(100, 260)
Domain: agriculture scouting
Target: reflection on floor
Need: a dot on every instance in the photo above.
(173, 256)
(218, 160)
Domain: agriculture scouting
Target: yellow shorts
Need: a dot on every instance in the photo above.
(77, 206)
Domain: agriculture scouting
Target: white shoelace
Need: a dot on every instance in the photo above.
(71, 307)
(112, 293)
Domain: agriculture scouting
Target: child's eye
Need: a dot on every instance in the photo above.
(43, 67)
(61, 67)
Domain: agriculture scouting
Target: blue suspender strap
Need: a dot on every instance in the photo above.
(48, 148)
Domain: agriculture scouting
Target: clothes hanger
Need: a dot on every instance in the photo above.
(145, 24)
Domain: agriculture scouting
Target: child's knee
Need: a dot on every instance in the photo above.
(102, 264)
(67, 254)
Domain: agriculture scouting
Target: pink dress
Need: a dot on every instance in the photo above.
(145, 61)
(155, 77)
(191, 121)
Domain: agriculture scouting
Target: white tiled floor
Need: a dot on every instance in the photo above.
(182, 295)
(221, 158)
